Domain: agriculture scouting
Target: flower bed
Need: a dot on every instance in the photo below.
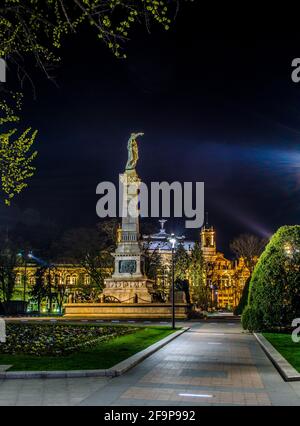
(41, 340)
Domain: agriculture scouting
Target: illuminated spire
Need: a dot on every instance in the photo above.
(162, 226)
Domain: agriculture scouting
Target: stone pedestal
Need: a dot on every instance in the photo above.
(128, 254)
(128, 283)
(130, 290)
(125, 310)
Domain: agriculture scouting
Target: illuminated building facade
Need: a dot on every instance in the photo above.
(225, 279)
(62, 281)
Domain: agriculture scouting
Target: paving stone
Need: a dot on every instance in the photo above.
(237, 372)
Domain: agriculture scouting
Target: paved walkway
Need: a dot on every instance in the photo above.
(211, 364)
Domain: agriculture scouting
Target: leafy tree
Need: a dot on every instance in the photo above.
(249, 247)
(15, 163)
(199, 290)
(38, 28)
(8, 263)
(49, 284)
(155, 267)
(181, 263)
(213, 282)
(61, 288)
(15, 153)
(39, 289)
(274, 296)
(91, 249)
(155, 270)
(87, 293)
(152, 260)
(107, 231)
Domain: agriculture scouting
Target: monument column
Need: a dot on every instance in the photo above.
(128, 283)
(128, 253)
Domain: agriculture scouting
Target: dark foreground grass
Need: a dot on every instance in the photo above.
(286, 347)
(102, 355)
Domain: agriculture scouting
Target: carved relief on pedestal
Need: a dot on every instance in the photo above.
(127, 284)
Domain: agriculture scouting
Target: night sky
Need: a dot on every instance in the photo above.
(216, 103)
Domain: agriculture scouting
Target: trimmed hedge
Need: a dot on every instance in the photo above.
(274, 293)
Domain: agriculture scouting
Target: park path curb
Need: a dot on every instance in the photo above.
(287, 371)
(116, 370)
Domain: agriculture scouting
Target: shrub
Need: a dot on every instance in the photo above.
(243, 300)
(274, 293)
(252, 319)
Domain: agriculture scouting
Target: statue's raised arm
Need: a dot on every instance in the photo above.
(133, 151)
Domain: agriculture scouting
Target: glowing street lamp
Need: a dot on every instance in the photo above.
(173, 241)
(168, 240)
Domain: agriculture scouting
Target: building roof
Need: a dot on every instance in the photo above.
(167, 246)
(160, 240)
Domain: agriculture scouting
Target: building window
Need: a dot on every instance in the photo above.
(225, 282)
(73, 280)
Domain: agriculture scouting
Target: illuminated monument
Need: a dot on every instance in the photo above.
(128, 293)
(128, 283)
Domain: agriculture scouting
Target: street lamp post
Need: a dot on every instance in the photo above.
(173, 241)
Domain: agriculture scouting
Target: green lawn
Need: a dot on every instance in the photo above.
(103, 355)
(286, 347)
